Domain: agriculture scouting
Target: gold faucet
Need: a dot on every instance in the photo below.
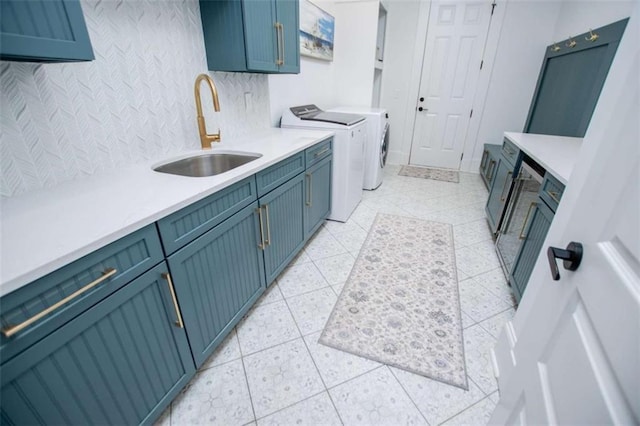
(205, 138)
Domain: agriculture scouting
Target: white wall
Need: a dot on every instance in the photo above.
(134, 102)
(526, 31)
(355, 51)
(402, 25)
(577, 16)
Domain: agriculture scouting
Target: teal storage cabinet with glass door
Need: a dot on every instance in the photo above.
(120, 362)
(43, 31)
(251, 35)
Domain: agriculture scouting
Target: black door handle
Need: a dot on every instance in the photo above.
(421, 99)
(571, 258)
(420, 108)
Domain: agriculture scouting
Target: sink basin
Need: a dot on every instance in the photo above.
(208, 164)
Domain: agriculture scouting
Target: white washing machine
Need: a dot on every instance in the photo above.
(348, 152)
(376, 145)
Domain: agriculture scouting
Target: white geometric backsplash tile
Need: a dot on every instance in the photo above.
(134, 102)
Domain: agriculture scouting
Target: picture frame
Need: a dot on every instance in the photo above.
(317, 28)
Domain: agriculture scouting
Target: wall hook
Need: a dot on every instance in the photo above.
(592, 36)
(571, 42)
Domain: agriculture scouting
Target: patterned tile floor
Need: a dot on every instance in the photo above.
(271, 370)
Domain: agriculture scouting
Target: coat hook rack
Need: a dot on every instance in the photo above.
(592, 36)
(571, 42)
(555, 47)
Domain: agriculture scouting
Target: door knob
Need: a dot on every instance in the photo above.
(420, 108)
(421, 99)
(571, 258)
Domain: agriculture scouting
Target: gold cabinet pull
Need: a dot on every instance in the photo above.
(280, 42)
(483, 161)
(526, 219)
(261, 243)
(502, 196)
(309, 197)
(167, 277)
(491, 168)
(553, 195)
(318, 154)
(266, 211)
(10, 331)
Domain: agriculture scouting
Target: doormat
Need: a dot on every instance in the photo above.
(428, 173)
(400, 305)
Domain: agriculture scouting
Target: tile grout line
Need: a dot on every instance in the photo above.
(408, 395)
(470, 406)
(246, 377)
(304, 342)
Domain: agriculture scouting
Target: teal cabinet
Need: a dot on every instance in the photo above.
(120, 362)
(43, 31)
(499, 193)
(121, 351)
(282, 224)
(317, 196)
(217, 278)
(488, 163)
(536, 232)
(251, 35)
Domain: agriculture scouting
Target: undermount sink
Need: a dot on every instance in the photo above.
(208, 164)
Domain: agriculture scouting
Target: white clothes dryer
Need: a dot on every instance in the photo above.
(376, 145)
(348, 153)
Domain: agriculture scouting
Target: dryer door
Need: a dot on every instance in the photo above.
(384, 146)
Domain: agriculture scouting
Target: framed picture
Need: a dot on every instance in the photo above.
(316, 31)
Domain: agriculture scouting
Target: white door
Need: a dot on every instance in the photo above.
(572, 353)
(455, 43)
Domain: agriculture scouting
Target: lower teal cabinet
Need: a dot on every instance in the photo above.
(499, 193)
(282, 223)
(217, 278)
(317, 196)
(120, 362)
(536, 232)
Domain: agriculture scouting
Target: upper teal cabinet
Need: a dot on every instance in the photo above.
(43, 31)
(251, 35)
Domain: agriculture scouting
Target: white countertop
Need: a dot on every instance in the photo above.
(557, 154)
(49, 228)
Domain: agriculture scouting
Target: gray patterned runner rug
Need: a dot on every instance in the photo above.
(400, 305)
(427, 173)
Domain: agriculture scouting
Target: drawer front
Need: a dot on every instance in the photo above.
(87, 279)
(510, 151)
(551, 191)
(319, 151)
(279, 173)
(186, 225)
